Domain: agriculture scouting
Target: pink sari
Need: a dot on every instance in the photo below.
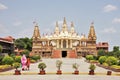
(23, 61)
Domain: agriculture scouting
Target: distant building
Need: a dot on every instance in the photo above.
(102, 45)
(7, 44)
(64, 42)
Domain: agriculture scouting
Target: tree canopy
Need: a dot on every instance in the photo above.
(24, 43)
(0, 48)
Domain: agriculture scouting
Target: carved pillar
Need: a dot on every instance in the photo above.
(57, 43)
(80, 43)
(70, 43)
(61, 43)
(67, 43)
(48, 43)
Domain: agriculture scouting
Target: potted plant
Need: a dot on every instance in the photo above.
(16, 65)
(75, 66)
(42, 66)
(109, 72)
(58, 65)
(92, 68)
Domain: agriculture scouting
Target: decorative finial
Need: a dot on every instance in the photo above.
(92, 23)
(35, 23)
(56, 23)
(72, 25)
(64, 22)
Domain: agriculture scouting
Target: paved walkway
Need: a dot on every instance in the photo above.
(67, 70)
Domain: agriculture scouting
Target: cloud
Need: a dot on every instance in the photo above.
(3, 7)
(116, 20)
(3, 29)
(109, 30)
(25, 33)
(17, 23)
(109, 8)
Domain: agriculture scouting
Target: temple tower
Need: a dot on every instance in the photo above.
(92, 35)
(36, 33)
(72, 30)
(64, 27)
(37, 44)
(57, 29)
(91, 42)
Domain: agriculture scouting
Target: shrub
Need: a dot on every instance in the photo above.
(118, 63)
(18, 59)
(1, 48)
(26, 52)
(92, 67)
(115, 66)
(4, 67)
(1, 57)
(89, 57)
(58, 64)
(35, 57)
(101, 52)
(105, 64)
(75, 66)
(12, 55)
(16, 65)
(42, 66)
(111, 60)
(102, 59)
(93, 61)
(7, 60)
(32, 61)
(95, 57)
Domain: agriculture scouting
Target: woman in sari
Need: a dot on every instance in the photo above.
(23, 62)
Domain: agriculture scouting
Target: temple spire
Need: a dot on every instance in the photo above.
(57, 28)
(72, 25)
(72, 28)
(64, 21)
(64, 27)
(92, 34)
(36, 33)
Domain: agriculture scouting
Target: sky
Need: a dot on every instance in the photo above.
(17, 17)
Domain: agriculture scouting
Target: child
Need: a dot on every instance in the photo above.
(28, 63)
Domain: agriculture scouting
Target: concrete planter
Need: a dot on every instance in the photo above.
(109, 72)
(42, 72)
(76, 72)
(17, 72)
(91, 72)
(59, 72)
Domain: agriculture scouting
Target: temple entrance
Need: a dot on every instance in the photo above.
(64, 54)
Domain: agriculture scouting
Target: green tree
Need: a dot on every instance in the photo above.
(111, 60)
(89, 57)
(24, 43)
(0, 48)
(115, 48)
(102, 59)
(110, 53)
(19, 44)
(101, 53)
(117, 54)
(18, 59)
(7, 60)
(26, 52)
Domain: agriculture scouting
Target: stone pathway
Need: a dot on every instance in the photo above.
(67, 70)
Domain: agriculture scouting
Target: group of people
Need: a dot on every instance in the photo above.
(25, 61)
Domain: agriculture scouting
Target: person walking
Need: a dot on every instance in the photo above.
(23, 62)
(28, 63)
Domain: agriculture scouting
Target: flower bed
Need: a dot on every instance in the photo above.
(5, 68)
(113, 67)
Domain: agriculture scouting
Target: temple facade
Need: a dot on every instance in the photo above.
(64, 42)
